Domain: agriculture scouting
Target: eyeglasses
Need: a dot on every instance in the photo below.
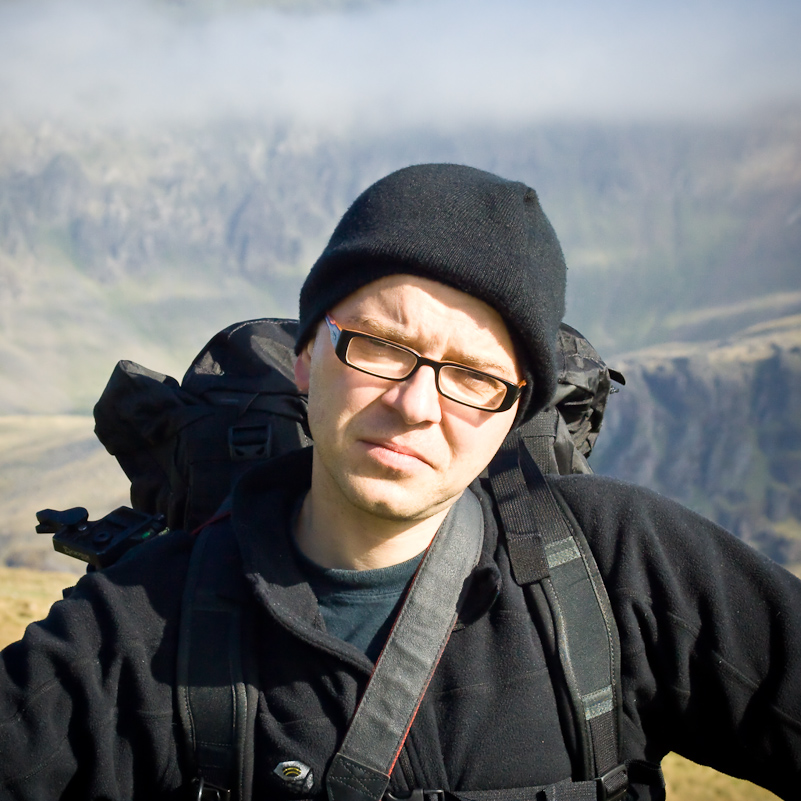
(385, 359)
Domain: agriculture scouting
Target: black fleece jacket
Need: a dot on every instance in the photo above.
(710, 638)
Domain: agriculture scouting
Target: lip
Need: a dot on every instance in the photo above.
(394, 447)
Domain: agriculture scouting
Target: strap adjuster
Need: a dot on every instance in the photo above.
(612, 786)
(250, 442)
(417, 795)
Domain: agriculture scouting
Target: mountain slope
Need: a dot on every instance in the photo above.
(715, 426)
(142, 246)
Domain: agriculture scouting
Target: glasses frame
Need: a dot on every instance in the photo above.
(342, 337)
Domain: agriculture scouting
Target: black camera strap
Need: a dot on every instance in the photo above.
(361, 768)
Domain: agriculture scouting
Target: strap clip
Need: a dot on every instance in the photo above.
(417, 795)
(612, 786)
(250, 442)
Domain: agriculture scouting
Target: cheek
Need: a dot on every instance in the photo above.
(323, 397)
(336, 394)
(477, 444)
(321, 394)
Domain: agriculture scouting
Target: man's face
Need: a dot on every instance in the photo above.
(399, 450)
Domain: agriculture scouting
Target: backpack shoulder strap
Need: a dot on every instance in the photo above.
(212, 694)
(546, 546)
(548, 439)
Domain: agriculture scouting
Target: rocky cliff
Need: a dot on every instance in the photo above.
(140, 246)
(717, 426)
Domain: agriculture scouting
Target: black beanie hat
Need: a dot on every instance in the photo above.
(463, 227)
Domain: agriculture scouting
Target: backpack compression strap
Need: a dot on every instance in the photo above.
(545, 547)
(361, 768)
(212, 694)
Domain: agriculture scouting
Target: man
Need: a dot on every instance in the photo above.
(427, 331)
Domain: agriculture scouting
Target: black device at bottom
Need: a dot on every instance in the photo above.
(99, 542)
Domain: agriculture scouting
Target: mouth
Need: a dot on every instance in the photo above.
(395, 455)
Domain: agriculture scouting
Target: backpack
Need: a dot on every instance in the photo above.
(184, 445)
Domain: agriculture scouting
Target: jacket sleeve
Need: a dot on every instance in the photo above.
(86, 706)
(710, 635)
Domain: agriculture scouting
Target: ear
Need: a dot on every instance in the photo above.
(302, 367)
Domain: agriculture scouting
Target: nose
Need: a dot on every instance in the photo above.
(416, 399)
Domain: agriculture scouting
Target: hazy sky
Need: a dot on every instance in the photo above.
(402, 61)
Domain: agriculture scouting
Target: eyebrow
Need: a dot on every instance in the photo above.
(395, 333)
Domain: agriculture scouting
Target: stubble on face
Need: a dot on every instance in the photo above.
(397, 451)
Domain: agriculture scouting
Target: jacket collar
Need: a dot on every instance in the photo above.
(262, 511)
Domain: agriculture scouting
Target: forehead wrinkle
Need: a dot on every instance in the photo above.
(397, 333)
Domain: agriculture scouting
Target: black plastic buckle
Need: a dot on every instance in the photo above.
(250, 441)
(417, 795)
(208, 792)
(612, 786)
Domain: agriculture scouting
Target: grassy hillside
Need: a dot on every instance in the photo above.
(26, 595)
(687, 781)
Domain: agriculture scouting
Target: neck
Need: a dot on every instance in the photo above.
(343, 536)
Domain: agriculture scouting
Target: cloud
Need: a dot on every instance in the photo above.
(389, 64)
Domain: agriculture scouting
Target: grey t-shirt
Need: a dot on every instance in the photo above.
(359, 606)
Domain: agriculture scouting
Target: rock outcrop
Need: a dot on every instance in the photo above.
(717, 426)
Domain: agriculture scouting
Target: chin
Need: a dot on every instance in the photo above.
(397, 503)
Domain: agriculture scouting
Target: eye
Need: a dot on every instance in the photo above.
(380, 357)
(474, 381)
(472, 386)
(379, 349)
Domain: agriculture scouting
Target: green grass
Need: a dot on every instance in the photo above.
(687, 781)
(27, 595)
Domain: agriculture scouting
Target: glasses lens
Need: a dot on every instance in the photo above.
(474, 389)
(379, 358)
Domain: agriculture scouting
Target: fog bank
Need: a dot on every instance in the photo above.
(408, 62)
